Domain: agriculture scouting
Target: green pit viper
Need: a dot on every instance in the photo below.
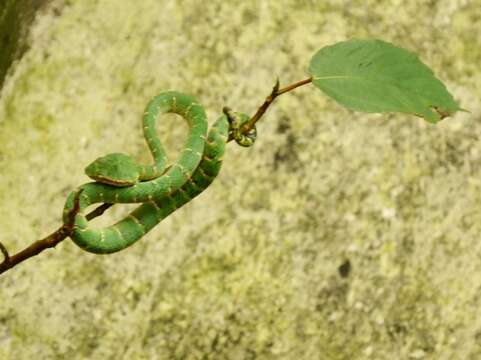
(161, 189)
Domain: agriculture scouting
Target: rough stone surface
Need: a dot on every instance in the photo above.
(339, 235)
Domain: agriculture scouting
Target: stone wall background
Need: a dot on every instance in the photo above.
(339, 235)
(16, 16)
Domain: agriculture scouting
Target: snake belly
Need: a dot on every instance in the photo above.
(192, 173)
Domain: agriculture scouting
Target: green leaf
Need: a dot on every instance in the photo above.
(376, 76)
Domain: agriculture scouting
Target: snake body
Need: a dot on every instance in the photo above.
(161, 190)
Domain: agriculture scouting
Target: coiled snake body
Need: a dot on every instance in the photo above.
(160, 189)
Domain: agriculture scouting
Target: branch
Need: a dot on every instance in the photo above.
(51, 240)
(268, 101)
(66, 229)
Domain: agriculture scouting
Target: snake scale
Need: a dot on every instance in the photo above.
(159, 188)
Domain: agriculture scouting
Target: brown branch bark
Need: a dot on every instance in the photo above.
(50, 241)
(268, 101)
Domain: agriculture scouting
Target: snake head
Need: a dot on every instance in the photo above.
(115, 169)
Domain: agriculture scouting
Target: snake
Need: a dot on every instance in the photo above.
(160, 189)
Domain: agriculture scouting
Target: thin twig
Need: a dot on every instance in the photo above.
(98, 211)
(5, 253)
(268, 101)
(51, 240)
